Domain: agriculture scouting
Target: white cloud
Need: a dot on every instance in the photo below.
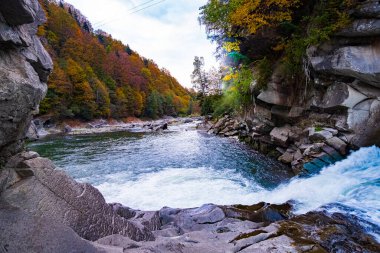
(168, 33)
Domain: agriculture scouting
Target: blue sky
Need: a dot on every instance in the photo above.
(168, 32)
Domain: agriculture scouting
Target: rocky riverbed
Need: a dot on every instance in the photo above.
(41, 128)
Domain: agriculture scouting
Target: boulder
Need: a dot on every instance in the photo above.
(363, 120)
(338, 144)
(280, 135)
(340, 95)
(277, 91)
(286, 158)
(361, 62)
(317, 135)
(51, 193)
(23, 232)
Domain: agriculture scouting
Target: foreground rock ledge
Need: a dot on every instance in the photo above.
(44, 210)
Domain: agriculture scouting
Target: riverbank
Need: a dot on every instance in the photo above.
(42, 127)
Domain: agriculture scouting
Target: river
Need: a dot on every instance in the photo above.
(184, 167)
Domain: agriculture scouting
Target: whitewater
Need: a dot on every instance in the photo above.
(184, 168)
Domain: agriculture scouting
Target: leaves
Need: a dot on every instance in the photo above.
(97, 76)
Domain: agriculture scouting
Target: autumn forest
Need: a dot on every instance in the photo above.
(96, 76)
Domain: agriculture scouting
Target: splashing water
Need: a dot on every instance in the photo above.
(185, 168)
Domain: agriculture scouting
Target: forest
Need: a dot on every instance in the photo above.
(96, 76)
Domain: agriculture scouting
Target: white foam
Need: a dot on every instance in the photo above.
(354, 182)
(181, 187)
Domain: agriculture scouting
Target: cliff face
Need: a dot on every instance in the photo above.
(24, 68)
(337, 108)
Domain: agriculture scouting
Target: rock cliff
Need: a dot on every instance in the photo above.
(24, 68)
(336, 109)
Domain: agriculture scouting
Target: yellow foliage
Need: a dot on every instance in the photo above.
(254, 14)
(231, 46)
(230, 76)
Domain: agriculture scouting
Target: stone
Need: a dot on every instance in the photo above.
(363, 120)
(338, 144)
(281, 134)
(262, 112)
(341, 95)
(19, 12)
(366, 89)
(362, 28)
(335, 233)
(286, 158)
(361, 62)
(32, 133)
(277, 91)
(23, 232)
(317, 135)
(51, 193)
(22, 84)
(368, 9)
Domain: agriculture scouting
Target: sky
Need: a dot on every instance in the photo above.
(167, 32)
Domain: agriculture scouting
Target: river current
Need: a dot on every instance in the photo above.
(184, 167)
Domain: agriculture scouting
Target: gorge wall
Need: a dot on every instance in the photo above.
(336, 109)
(24, 69)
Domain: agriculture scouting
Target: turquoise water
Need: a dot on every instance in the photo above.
(187, 168)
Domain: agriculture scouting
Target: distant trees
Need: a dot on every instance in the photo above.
(97, 76)
(199, 77)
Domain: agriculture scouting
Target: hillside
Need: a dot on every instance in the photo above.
(96, 76)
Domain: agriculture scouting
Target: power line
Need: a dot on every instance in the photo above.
(133, 8)
(148, 6)
(102, 23)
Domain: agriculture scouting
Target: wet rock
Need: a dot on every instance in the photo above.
(335, 233)
(338, 144)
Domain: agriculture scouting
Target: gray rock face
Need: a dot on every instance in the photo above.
(361, 62)
(341, 95)
(364, 120)
(24, 67)
(50, 193)
(22, 232)
(362, 28)
(277, 92)
(368, 9)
